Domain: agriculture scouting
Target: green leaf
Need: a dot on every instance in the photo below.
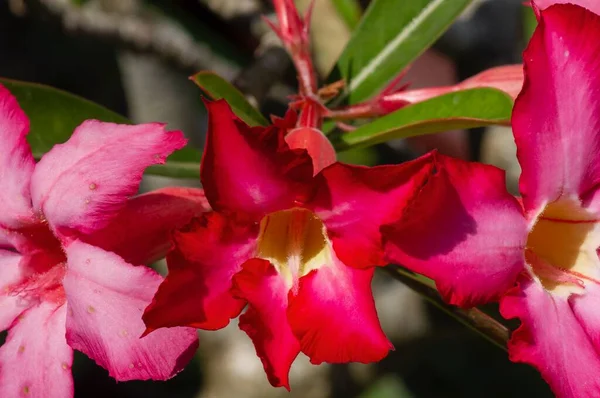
(529, 23)
(390, 36)
(54, 114)
(458, 110)
(216, 87)
(350, 11)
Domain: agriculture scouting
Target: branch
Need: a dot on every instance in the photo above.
(473, 318)
(144, 32)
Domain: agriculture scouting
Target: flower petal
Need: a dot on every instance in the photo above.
(208, 252)
(82, 184)
(333, 316)
(317, 145)
(507, 78)
(141, 232)
(556, 118)
(464, 231)
(592, 5)
(265, 321)
(553, 339)
(11, 273)
(250, 170)
(106, 297)
(16, 162)
(355, 201)
(35, 360)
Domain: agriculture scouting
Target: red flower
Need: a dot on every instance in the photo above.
(298, 249)
(537, 255)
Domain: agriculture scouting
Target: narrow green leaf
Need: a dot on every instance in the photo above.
(54, 114)
(350, 11)
(216, 87)
(529, 23)
(390, 36)
(458, 110)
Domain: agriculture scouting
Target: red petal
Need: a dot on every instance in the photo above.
(554, 338)
(355, 201)
(141, 232)
(265, 320)
(208, 252)
(556, 119)
(250, 170)
(333, 316)
(35, 360)
(316, 144)
(592, 5)
(82, 184)
(465, 231)
(105, 298)
(16, 162)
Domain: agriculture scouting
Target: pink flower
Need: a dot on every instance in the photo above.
(298, 249)
(537, 255)
(68, 236)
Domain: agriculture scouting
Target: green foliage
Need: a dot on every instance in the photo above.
(349, 10)
(390, 36)
(54, 114)
(216, 88)
(458, 110)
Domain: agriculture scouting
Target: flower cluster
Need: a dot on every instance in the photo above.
(286, 238)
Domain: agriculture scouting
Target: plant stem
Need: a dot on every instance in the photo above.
(473, 318)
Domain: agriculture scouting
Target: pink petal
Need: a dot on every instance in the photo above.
(35, 360)
(208, 252)
(11, 273)
(16, 162)
(106, 298)
(333, 316)
(592, 5)
(141, 232)
(265, 320)
(556, 118)
(553, 338)
(82, 184)
(250, 170)
(507, 78)
(355, 201)
(316, 144)
(464, 231)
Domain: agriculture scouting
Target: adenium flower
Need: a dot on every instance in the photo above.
(68, 238)
(537, 254)
(297, 248)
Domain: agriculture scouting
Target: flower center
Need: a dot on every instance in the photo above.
(42, 266)
(295, 242)
(561, 248)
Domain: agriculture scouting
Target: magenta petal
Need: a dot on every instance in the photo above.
(553, 338)
(35, 360)
(11, 273)
(141, 232)
(81, 184)
(355, 201)
(465, 231)
(265, 320)
(16, 162)
(250, 170)
(196, 292)
(334, 316)
(106, 298)
(556, 118)
(592, 5)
